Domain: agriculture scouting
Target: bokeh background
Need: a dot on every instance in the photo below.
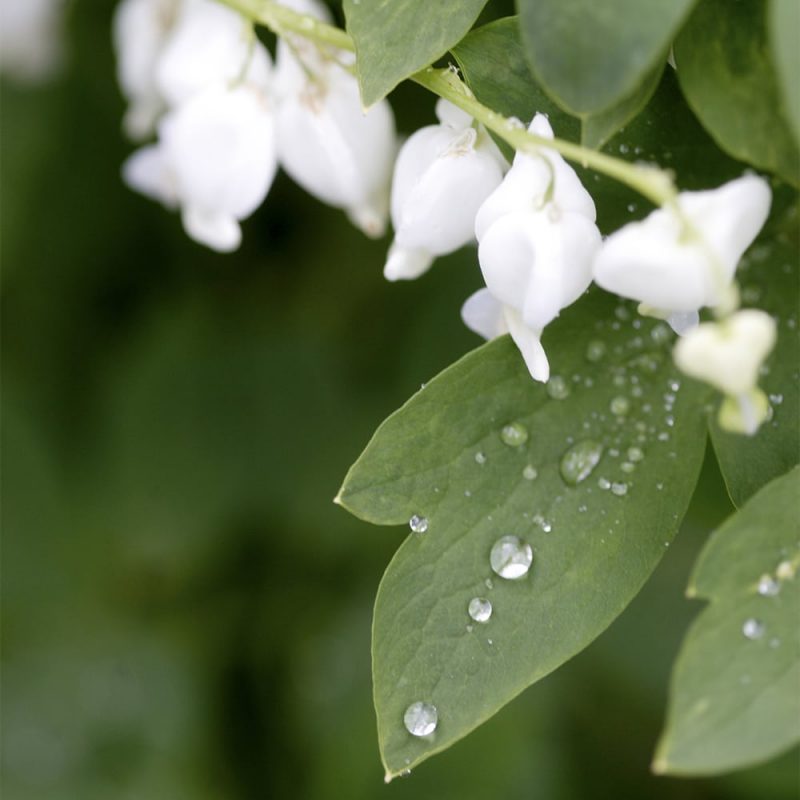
(185, 612)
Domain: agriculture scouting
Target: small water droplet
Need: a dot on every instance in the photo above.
(627, 466)
(480, 458)
(418, 524)
(660, 486)
(579, 461)
(776, 399)
(557, 388)
(489, 583)
(785, 571)
(620, 406)
(510, 557)
(595, 350)
(604, 483)
(480, 609)
(753, 628)
(467, 493)
(515, 434)
(421, 719)
(663, 436)
(768, 586)
(619, 489)
(635, 454)
(774, 642)
(530, 473)
(661, 333)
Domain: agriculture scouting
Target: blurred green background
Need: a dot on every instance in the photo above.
(185, 612)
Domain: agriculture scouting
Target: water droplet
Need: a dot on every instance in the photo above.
(663, 436)
(418, 524)
(635, 454)
(421, 719)
(619, 489)
(510, 557)
(627, 466)
(753, 628)
(489, 583)
(660, 486)
(785, 571)
(661, 334)
(595, 350)
(620, 406)
(579, 461)
(604, 483)
(530, 473)
(480, 458)
(768, 586)
(480, 609)
(467, 493)
(557, 388)
(776, 399)
(515, 434)
(774, 642)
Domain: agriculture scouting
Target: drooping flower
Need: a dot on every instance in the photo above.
(215, 160)
(327, 143)
(442, 176)
(728, 355)
(537, 240)
(672, 267)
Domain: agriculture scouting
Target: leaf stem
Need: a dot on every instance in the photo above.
(650, 181)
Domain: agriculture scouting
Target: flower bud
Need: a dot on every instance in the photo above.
(442, 176)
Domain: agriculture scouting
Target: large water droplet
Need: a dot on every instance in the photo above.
(515, 434)
(418, 524)
(579, 461)
(510, 557)
(421, 719)
(768, 586)
(557, 388)
(530, 473)
(753, 628)
(480, 609)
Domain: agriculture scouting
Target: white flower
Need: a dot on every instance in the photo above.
(537, 240)
(442, 176)
(215, 160)
(31, 34)
(208, 44)
(671, 269)
(326, 141)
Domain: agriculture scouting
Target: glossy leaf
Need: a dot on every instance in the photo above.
(784, 31)
(590, 56)
(442, 456)
(725, 71)
(770, 280)
(395, 38)
(734, 699)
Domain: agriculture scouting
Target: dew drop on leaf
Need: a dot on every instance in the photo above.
(530, 473)
(753, 628)
(620, 406)
(480, 458)
(557, 388)
(579, 461)
(768, 586)
(421, 719)
(619, 489)
(510, 557)
(480, 609)
(515, 434)
(418, 524)
(595, 350)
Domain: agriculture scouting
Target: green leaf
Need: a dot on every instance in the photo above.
(493, 64)
(597, 129)
(590, 55)
(770, 280)
(442, 456)
(395, 38)
(725, 72)
(784, 21)
(734, 699)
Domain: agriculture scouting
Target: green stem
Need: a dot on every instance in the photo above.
(653, 183)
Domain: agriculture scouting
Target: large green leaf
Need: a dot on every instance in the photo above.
(591, 56)
(735, 698)
(770, 280)
(442, 456)
(726, 74)
(784, 32)
(395, 38)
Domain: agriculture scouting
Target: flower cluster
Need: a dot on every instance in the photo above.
(195, 74)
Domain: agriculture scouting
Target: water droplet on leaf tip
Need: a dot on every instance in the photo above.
(753, 629)
(510, 557)
(480, 609)
(418, 524)
(515, 434)
(421, 719)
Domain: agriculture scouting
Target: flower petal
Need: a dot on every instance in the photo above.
(484, 314)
